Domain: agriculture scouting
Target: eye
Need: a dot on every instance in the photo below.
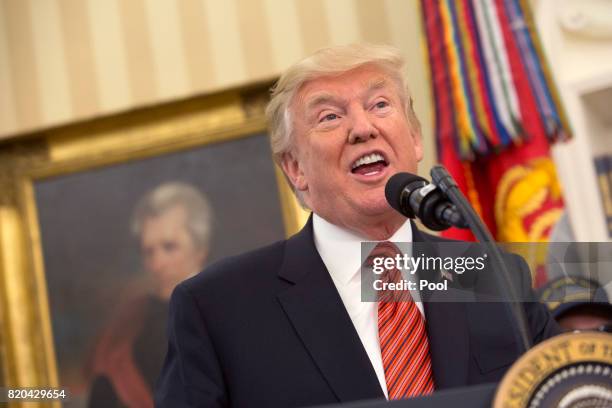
(169, 246)
(381, 104)
(328, 117)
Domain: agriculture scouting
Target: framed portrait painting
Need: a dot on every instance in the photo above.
(104, 218)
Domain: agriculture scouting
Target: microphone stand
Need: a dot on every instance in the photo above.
(444, 181)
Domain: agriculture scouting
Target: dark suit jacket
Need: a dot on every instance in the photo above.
(268, 329)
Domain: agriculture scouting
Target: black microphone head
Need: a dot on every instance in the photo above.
(395, 185)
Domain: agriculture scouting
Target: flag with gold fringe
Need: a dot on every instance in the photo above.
(497, 112)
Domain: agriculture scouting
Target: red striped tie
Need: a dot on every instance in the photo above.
(403, 339)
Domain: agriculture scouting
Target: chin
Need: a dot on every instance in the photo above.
(375, 206)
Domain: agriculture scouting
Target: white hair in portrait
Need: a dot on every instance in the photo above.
(170, 195)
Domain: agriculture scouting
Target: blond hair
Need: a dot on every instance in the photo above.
(329, 62)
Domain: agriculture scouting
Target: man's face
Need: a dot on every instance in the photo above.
(351, 135)
(585, 317)
(168, 251)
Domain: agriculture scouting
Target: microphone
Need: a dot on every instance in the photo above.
(413, 196)
(441, 205)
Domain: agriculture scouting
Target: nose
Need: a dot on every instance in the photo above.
(362, 127)
(156, 262)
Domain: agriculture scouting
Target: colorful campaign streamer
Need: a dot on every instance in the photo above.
(487, 66)
(497, 111)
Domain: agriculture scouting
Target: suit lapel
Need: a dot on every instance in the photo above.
(447, 329)
(320, 319)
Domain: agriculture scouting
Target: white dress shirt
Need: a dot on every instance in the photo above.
(340, 251)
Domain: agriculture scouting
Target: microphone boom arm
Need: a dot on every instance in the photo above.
(443, 180)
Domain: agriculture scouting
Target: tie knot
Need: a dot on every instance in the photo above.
(384, 255)
(383, 250)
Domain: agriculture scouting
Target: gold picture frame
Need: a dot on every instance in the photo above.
(26, 344)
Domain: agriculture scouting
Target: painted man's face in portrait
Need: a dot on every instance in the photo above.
(168, 250)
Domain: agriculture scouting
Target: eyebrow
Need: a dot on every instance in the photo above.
(376, 84)
(321, 98)
(326, 97)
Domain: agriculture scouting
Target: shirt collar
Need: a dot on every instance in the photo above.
(340, 249)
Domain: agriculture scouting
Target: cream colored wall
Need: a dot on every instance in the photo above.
(577, 38)
(67, 60)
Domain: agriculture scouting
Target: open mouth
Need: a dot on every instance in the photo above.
(369, 164)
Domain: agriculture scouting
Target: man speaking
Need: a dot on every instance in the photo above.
(284, 326)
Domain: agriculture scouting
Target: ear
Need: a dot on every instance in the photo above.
(415, 130)
(418, 146)
(293, 171)
(201, 257)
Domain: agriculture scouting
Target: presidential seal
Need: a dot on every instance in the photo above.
(572, 370)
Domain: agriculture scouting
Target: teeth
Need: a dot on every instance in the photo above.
(367, 159)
